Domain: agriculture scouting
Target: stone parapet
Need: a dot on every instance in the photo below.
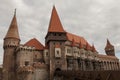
(25, 69)
(40, 65)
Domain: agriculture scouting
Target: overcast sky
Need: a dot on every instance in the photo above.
(95, 20)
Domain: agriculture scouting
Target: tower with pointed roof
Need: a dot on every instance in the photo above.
(56, 36)
(109, 49)
(55, 30)
(11, 41)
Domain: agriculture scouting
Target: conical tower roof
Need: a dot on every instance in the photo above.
(13, 29)
(108, 45)
(55, 23)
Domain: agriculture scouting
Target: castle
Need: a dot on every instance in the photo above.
(63, 51)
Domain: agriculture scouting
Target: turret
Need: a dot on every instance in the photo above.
(12, 38)
(11, 41)
(109, 49)
(55, 30)
(56, 35)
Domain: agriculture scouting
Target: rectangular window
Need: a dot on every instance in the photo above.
(57, 52)
(68, 50)
(46, 53)
(26, 63)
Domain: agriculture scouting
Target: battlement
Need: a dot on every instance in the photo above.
(25, 69)
(8, 46)
(22, 47)
(40, 65)
(10, 43)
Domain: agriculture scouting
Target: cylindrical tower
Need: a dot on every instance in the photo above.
(11, 41)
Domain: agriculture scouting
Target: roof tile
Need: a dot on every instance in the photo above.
(55, 23)
(13, 29)
(77, 39)
(34, 43)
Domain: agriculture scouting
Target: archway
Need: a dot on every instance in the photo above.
(58, 69)
(58, 74)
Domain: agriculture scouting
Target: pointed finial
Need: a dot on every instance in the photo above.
(15, 12)
(13, 28)
(54, 5)
(108, 42)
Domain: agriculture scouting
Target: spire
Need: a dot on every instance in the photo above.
(15, 12)
(13, 29)
(55, 23)
(108, 42)
(108, 45)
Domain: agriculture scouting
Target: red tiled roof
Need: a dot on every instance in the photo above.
(55, 23)
(80, 45)
(34, 43)
(73, 42)
(88, 47)
(56, 26)
(77, 39)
